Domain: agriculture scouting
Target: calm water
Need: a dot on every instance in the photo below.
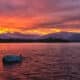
(42, 61)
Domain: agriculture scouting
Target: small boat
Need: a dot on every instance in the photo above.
(11, 59)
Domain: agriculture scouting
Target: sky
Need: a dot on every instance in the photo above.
(39, 16)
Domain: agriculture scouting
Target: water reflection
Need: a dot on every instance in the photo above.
(42, 62)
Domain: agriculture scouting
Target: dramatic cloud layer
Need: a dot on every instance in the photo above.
(39, 16)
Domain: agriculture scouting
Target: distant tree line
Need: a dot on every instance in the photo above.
(48, 40)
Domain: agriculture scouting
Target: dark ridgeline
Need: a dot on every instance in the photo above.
(38, 40)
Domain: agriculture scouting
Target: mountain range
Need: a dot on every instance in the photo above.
(64, 35)
(18, 36)
(68, 36)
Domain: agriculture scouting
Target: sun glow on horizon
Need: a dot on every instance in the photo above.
(42, 31)
(32, 31)
(39, 31)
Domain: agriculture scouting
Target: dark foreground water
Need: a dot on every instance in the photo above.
(42, 61)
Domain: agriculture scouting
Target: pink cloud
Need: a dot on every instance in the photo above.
(54, 12)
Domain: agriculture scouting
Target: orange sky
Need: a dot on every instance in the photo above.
(39, 16)
(35, 25)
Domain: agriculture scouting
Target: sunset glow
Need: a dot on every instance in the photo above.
(39, 17)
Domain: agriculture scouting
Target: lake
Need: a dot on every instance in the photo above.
(43, 61)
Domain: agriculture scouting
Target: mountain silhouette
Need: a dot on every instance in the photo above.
(54, 37)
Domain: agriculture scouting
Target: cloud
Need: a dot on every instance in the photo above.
(33, 14)
(35, 7)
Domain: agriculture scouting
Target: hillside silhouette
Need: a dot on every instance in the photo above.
(29, 40)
